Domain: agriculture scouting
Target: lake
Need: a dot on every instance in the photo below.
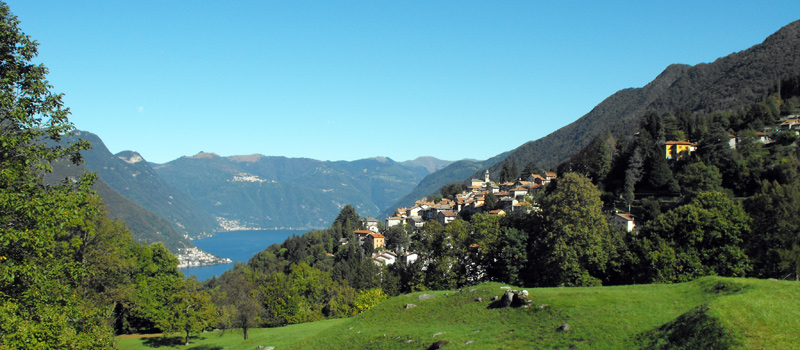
(237, 246)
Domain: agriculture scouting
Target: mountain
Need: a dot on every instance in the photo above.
(130, 175)
(730, 82)
(430, 164)
(143, 224)
(278, 192)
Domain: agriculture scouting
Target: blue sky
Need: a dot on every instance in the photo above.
(336, 80)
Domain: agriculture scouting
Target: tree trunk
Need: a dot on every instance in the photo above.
(245, 332)
(187, 337)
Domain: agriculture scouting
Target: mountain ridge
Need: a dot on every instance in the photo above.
(728, 82)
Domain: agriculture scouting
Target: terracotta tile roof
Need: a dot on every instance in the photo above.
(628, 217)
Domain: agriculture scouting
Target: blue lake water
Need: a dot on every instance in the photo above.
(237, 246)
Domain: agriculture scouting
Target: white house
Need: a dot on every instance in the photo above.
(625, 220)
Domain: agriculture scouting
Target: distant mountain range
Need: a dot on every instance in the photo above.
(192, 197)
(279, 192)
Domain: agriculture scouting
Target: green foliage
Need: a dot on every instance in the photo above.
(698, 177)
(190, 310)
(452, 189)
(45, 229)
(573, 247)
(776, 230)
(697, 239)
(368, 298)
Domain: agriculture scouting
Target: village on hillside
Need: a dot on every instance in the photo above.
(508, 197)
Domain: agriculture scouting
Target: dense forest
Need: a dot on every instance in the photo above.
(70, 277)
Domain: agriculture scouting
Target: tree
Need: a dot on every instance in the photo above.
(242, 307)
(191, 310)
(632, 176)
(452, 189)
(573, 247)
(776, 230)
(701, 238)
(490, 201)
(348, 220)
(42, 228)
(697, 177)
(397, 238)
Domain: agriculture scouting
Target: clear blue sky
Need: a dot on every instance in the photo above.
(335, 80)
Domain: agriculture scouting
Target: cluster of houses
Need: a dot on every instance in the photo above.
(509, 196)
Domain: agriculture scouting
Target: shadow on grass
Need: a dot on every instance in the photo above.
(692, 330)
(157, 342)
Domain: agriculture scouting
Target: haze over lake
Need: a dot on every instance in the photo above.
(237, 246)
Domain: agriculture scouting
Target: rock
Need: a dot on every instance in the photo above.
(410, 341)
(543, 306)
(505, 287)
(438, 334)
(564, 327)
(772, 279)
(439, 344)
(508, 298)
(469, 342)
(425, 296)
(472, 290)
(476, 331)
(479, 299)
(409, 306)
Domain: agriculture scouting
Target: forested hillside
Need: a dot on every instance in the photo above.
(731, 82)
(131, 176)
(145, 226)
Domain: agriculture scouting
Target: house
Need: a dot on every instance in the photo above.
(409, 257)
(518, 192)
(446, 217)
(394, 220)
(764, 138)
(376, 240)
(626, 220)
(678, 149)
(415, 221)
(384, 257)
(791, 124)
(369, 222)
(498, 212)
(361, 235)
(732, 140)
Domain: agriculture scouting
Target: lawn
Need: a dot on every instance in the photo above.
(709, 313)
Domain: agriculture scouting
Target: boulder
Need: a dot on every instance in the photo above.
(564, 327)
(410, 306)
(507, 299)
(425, 296)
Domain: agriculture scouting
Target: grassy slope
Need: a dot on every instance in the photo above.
(707, 313)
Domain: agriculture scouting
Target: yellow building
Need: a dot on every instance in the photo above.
(376, 240)
(677, 149)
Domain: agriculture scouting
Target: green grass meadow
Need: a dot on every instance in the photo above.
(709, 313)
